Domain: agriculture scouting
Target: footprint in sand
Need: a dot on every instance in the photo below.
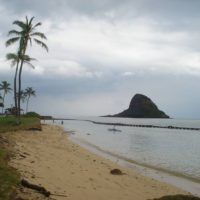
(91, 179)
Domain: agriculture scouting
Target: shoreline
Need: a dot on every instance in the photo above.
(176, 179)
(51, 159)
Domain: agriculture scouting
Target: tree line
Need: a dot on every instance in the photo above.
(25, 34)
(5, 88)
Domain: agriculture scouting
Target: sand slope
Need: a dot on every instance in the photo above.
(50, 159)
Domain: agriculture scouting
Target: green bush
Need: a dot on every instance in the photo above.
(9, 123)
(32, 114)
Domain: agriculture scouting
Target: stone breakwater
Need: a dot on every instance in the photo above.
(145, 126)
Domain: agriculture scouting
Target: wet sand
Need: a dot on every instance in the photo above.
(50, 159)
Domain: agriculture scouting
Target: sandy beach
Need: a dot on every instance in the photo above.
(48, 158)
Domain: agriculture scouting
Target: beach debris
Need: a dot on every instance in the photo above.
(3, 140)
(38, 188)
(178, 197)
(23, 156)
(116, 172)
(35, 129)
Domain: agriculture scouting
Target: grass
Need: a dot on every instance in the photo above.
(8, 123)
(9, 178)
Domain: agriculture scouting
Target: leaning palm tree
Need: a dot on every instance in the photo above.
(15, 58)
(28, 93)
(5, 86)
(25, 36)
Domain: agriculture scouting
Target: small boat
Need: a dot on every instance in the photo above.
(114, 129)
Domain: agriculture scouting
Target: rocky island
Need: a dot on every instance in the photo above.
(141, 106)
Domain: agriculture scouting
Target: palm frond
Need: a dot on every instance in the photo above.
(5, 86)
(21, 24)
(30, 92)
(14, 32)
(26, 20)
(13, 63)
(41, 35)
(30, 40)
(27, 58)
(11, 41)
(38, 24)
(14, 58)
(31, 21)
(11, 56)
(30, 64)
(42, 44)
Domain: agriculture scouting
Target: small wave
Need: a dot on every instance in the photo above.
(115, 156)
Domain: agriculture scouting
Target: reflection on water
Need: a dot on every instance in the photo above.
(174, 150)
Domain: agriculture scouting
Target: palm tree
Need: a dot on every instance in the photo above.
(5, 86)
(28, 93)
(15, 58)
(25, 36)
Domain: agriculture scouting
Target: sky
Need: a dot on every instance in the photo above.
(101, 53)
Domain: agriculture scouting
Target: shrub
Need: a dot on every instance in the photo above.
(32, 114)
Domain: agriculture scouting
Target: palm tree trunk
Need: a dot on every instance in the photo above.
(19, 89)
(27, 102)
(15, 89)
(3, 101)
(20, 73)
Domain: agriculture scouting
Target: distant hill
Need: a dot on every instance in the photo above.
(141, 106)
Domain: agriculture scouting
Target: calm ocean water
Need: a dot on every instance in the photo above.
(176, 151)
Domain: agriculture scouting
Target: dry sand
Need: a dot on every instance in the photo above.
(50, 159)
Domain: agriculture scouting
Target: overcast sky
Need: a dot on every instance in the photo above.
(101, 53)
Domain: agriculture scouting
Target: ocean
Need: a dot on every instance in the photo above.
(174, 151)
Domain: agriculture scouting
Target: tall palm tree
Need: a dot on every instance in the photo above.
(28, 93)
(15, 59)
(5, 86)
(25, 36)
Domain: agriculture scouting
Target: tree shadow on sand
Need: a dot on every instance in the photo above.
(177, 197)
